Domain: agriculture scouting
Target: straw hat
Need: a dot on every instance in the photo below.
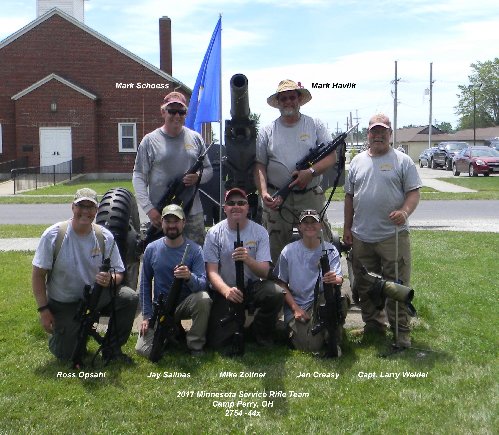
(289, 85)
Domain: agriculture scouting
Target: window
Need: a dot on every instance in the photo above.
(127, 136)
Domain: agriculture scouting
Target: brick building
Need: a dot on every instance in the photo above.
(67, 91)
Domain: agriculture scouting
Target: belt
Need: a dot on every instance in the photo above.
(298, 192)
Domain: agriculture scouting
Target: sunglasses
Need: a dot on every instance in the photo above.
(173, 112)
(240, 203)
(285, 98)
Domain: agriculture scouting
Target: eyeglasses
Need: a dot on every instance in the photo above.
(173, 112)
(240, 203)
(285, 98)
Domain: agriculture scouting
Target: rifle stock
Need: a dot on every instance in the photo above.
(314, 155)
(163, 317)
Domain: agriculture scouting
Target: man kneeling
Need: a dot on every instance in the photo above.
(298, 271)
(163, 261)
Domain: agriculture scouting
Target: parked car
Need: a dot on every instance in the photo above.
(425, 157)
(494, 143)
(442, 157)
(476, 160)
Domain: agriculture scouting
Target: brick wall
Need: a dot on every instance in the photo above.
(57, 46)
(74, 110)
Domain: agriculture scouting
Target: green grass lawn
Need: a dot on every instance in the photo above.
(455, 280)
(15, 231)
(486, 187)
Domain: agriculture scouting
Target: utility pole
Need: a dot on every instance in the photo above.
(357, 122)
(351, 136)
(431, 103)
(395, 108)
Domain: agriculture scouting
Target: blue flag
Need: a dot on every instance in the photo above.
(204, 105)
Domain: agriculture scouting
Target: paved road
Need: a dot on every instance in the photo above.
(474, 215)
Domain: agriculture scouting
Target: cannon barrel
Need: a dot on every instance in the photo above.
(239, 101)
(240, 142)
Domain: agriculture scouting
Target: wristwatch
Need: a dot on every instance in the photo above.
(312, 170)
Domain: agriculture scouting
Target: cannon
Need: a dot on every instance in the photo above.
(240, 144)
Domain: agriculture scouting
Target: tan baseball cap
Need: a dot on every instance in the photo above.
(173, 209)
(85, 194)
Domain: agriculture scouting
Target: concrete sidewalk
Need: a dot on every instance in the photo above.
(443, 186)
(7, 188)
(21, 244)
(428, 176)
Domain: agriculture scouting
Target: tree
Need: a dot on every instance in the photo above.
(482, 92)
(446, 127)
(255, 117)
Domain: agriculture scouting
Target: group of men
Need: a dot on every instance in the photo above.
(381, 191)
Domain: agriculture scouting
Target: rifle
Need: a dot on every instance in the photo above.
(163, 317)
(236, 311)
(87, 314)
(176, 193)
(330, 314)
(314, 155)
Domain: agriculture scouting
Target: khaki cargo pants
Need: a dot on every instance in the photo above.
(380, 258)
(279, 224)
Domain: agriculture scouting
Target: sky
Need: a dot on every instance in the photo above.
(311, 41)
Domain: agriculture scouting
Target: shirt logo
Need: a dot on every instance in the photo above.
(251, 244)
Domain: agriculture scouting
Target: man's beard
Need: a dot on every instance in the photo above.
(288, 111)
(173, 234)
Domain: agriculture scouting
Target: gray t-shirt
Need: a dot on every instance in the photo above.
(378, 186)
(160, 159)
(299, 267)
(77, 262)
(219, 246)
(280, 147)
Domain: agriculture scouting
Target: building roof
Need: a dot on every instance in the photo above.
(57, 11)
(420, 134)
(59, 79)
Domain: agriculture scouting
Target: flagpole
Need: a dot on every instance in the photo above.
(221, 129)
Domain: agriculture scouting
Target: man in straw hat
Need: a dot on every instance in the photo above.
(280, 146)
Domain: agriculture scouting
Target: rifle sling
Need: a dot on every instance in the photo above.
(61, 232)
